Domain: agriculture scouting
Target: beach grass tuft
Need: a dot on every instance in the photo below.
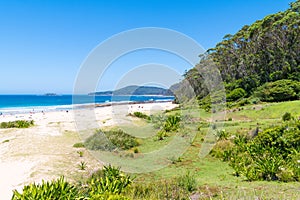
(17, 124)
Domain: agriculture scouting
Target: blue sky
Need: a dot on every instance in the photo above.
(43, 43)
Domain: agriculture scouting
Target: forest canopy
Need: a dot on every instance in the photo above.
(266, 51)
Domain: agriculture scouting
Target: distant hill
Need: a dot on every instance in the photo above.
(136, 90)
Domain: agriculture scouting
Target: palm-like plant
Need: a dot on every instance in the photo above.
(112, 181)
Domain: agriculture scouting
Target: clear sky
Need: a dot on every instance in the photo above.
(44, 42)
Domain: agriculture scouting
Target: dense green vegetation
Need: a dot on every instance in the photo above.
(282, 90)
(266, 51)
(110, 140)
(104, 184)
(274, 154)
(17, 124)
(56, 189)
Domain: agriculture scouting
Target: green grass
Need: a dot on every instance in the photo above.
(214, 177)
(171, 172)
(266, 111)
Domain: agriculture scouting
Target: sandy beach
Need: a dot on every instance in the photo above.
(45, 151)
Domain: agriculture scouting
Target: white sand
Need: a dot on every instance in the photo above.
(45, 150)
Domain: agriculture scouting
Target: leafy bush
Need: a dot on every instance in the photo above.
(110, 140)
(141, 115)
(236, 94)
(287, 116)
(187, 181)
(273, 154)
(136, 150)
(111, 181)
(57, 189)
(161, 134)
(221, 148)
(172, 123)
(282, 90)
(222, 135)
(105, 184)
(78, 145)
(17, 124)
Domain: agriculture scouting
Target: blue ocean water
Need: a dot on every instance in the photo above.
(26, 102)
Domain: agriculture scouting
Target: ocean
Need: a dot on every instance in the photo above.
(25, 103)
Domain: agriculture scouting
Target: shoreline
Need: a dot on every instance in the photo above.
(36, 113)
(55, 108)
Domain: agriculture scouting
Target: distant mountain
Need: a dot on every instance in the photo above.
(136, 90)
(50, 94)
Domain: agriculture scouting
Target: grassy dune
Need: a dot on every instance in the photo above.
(215, 178)
(179, 172)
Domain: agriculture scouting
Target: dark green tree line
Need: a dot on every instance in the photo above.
(266, 51)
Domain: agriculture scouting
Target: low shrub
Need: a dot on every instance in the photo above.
(78, 145)
(187, 182)
(110, 140)
(17, 124)
(136, 150)
(222, 135)
(161, 134)
(172, 123)
(287, 116)
(105, 184)
(221, 148)
(282, 90)
(56, 189)
(141, 115)
(236, 94)
(273, 154)
(110, 181)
